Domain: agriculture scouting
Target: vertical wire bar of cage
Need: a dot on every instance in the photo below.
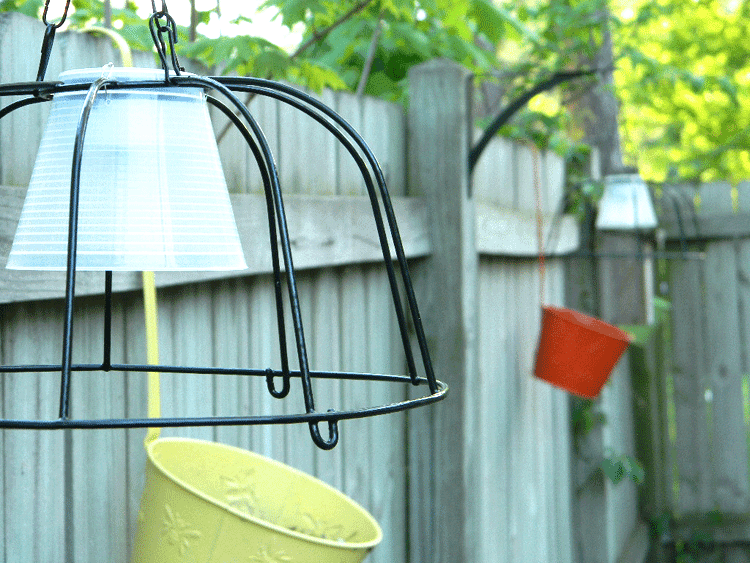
(333, 431)
(395, 235)
(107, 351)
(286, 253)
(398, 245)
(271, 213)
(70, 280)
(379, 224)
(251, 84)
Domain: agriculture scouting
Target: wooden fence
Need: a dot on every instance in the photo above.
(704, 483)
(484, 476)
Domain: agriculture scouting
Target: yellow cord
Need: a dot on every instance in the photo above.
(152, 353)
(125, 53)
(149, 283)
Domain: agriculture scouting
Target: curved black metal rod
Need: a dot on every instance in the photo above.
(70, 279)
(244, 372)
(20, 104)
(301, 418)
(379, 224)
(261, 87)
(274, 247)
(47, 42)
(285, 244)
(62, 19)
(333, 433)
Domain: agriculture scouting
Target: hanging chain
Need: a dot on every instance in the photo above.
(162, 24)
(163, 10)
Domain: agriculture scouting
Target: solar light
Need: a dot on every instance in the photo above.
(152, 191)
(626, 205)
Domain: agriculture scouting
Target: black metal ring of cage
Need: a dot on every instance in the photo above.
(357, 147)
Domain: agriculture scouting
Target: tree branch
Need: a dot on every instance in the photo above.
(367, 68)
(108, 14)
(317, 36)
(511, 109)
(193, 22)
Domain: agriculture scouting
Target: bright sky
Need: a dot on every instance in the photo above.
(261, 25)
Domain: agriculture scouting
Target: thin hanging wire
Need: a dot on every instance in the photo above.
(163, 10)
(539, 222)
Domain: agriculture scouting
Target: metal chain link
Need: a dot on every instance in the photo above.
(163, 11)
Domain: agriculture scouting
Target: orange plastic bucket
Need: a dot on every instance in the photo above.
(577, 352)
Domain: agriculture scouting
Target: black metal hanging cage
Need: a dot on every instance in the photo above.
(163, 30)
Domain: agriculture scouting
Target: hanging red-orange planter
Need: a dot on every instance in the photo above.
(577, 352)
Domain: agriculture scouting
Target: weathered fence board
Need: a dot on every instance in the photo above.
(690, 386)
(729, 455)
(708, 443)
(528, 481)
(324, 231)
(34, 463)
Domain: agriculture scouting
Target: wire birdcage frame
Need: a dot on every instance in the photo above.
(222, 94)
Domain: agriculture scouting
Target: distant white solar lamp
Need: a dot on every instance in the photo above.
(626, 205)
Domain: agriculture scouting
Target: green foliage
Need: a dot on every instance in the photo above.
(134, 29)
(31, 8)
(683, 78)
(682, 67)
(398, 33)
(699, 547)
(374, 43)
(616, 467)
(620, 466)
(584, 195)
(585, 417)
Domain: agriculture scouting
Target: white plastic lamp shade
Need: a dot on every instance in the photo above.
(153, 194)
(626, 204)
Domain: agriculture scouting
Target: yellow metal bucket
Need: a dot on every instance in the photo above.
(205, 502)
(210, 503)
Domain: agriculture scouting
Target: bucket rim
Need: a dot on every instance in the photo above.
(610, 330)
(368, 545)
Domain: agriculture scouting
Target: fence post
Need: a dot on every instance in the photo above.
(439, 136)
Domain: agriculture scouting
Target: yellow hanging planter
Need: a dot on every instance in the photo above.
(212, 503)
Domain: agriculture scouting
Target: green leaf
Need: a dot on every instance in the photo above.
(617, 468)
(491, 21)
(316, 77)
(613, 469)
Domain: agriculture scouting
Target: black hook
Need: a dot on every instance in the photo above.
(272, 387)
(333, 434)
(62, 20)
